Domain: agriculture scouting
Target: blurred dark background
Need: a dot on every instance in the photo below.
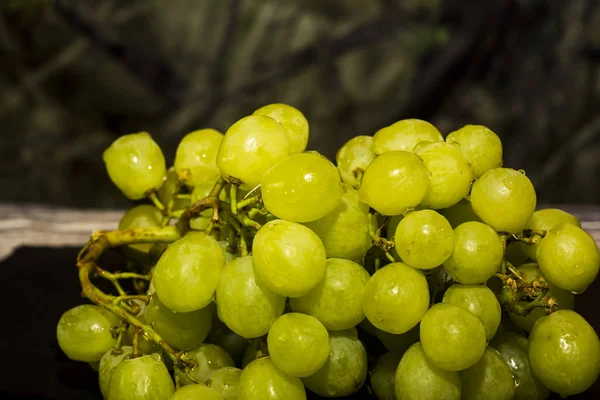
(74, 75)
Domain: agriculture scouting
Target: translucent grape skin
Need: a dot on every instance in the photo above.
(544, 220)
(289, 258)
(489, 379)
(569, 257)
(301, 188)
(141, 216)
(418, 379)
(135, 164)
(249, 148)
(196, 157)
(504, 199)
(405, 135)
(354, 156)
(394, 182)
(452, 337)
(209, 358)
(261, 379)
(197, 391)
(84, 332)
(298, 344)
(564, 352)
(480, 145)
(460, 213)
(144, 377)
(396, 298)
(108, 363)
(382, 377)
(226, 381)
(294, 122)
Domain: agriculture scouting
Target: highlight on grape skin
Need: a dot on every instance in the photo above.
(416, 265)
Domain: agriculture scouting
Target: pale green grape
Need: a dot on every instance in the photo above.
(250, 147)
(141, 216)
(135, 164)
(346, 369)
(569, 257)
(452, 337)
(208, 358)
(504, 199)
(289, 258)
(84, 332)
(382, 377)
(141, 378)
(303, 187)
(545, 220)
(450, 174)
(424, 239)
(244, 303)
(405, 135)
(354, 157)
(460, 213)
(187, 273)
(262, 380)
(226, 381)
(394, 182)
(108, 363)
(196, 157)
(257, 348)
(417, 378)
(231, 342)
(397, 344)
(396, 298)
(489, 379)
(480, 145)
(477, 254)
(294, 122)
(169, 188)
(194, 392)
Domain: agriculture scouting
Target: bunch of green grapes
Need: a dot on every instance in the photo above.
(414, 267)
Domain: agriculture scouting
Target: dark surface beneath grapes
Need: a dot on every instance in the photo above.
(39, 284)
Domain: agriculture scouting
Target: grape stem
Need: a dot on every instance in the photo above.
(210, 201)
(233, 198)
(521, 297)
(156, 201)
(379, 241)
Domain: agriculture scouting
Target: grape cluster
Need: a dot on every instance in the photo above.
(256, 269)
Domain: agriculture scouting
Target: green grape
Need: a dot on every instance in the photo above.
(144, 377)
(337, 301)
(565, 300)
(301, 188)
(450, 174)
(394, 182)
(346, 369)
(187, 273)
(460, 213)
(244, 303)
(344, 231)
(564, 352)
(294, 122)
(398, 344)
(396, 298)
(169, 188)
(135, 164)
(108, 363)
(545, 220)
(262, 380)
(477, 255)
(417, 378)
(289, 258)
(226, 381)
(480, 300)
(256, 349)
(231, 342)
(504, 199)
(382, 377)
(196, 391)
(208, 358)
(452, 337)
(424, 239)
(141, 216)
(480, 145)
(404, 135)
(489, 379)
(250, 147)
(515, 351)
(354, 157)
(569, 257)
(298, 344)
(84, 332)
(196, 157)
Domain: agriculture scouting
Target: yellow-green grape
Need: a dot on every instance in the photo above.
(231, 342)
(208, 359)
(565, 299)
(301, 188)
(452, 337)
(135, 164)
(196, 391)
(489, 379)
(382, 377)
(405, 135)
(144, 377)
(337, 301)
(480, 145)
(170, 188)
(569, 257)
(353, 158)
(346, 369)
(424, 239)
(417, 378)
(450, 174)
(396, 298)
(397, 344)
(84, 332)
(187, 273)
(261, 379)
(226, 381)
(244, 303)
(250, 147)
(544, 220)
(477, 254)
(394, 182)
(344, 231)
(460, 213)
(196, 157)
(289, 258)
(294, 122)
(108, 363)
(504, 199)
(564, 352)
(141, 216)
